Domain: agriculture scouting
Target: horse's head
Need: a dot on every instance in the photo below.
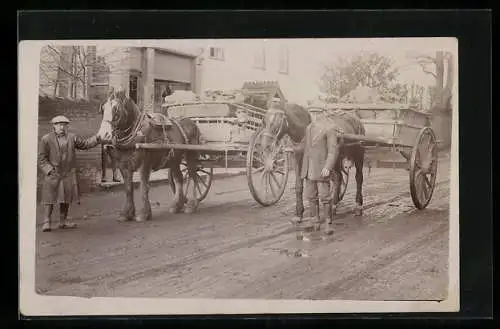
(114, 115)
(275, 126)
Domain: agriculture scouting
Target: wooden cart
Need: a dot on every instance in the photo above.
(229, 130)
(398, 137)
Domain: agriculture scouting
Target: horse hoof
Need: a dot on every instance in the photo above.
(328, 231)
(190, 210)
(358, 212)
(142, 218)
(174, 210)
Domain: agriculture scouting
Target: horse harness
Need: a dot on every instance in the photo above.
(164, 122)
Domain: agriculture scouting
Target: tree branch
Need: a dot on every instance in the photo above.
(425, 70)
(69, 73)
(429, 72)
(426, 58)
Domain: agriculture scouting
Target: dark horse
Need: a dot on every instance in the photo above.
(293, 121)
(124, 125)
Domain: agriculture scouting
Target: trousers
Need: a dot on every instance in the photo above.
(318, 191)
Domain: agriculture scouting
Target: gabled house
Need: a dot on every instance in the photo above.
(227, 64)
(146, 73)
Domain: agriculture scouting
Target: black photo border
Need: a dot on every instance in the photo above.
(472, 28)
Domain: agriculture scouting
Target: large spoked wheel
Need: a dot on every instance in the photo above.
(344, 183)
(423, 168)
(267, 168)
(202, 181)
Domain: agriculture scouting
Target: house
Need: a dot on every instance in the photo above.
(144, 72)
(227, 64)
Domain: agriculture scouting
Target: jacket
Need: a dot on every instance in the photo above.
(60, 176)
(321, 151)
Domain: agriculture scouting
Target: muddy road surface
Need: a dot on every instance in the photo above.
(234, 248)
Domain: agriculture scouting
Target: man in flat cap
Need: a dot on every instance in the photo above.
(57, 160)
(320, 155)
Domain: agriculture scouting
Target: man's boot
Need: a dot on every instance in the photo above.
(46, 220)
(327, 215)
(311, 218)
(317, 219)
(115, 178)
(63, 222)
(46, 225)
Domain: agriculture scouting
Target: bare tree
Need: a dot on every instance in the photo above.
(440, 66)
(71, 71)
(64, 67)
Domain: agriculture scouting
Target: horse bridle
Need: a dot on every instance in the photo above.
(282, 126)
(130, 133)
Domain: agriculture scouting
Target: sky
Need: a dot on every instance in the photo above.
(318, 51)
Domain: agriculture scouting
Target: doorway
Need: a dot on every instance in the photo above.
(133, 88)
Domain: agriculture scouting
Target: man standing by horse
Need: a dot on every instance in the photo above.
(320, 156)
(57, 160)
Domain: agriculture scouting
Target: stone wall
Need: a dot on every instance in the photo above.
(85, 121)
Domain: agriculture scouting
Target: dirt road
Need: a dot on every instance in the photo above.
(234, 248)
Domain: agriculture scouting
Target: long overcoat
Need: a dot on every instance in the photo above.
(320, 149)
(60, 184)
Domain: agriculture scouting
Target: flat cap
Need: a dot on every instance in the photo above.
(60, 119)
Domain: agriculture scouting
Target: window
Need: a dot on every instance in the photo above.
(259, 60)
(62, 87)
(99, 72)
(91, 55)
(283, 60)
(216, 53)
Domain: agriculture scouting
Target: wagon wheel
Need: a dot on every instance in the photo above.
(267, 169)
(344, 183)
(423, 168)
(202, 181)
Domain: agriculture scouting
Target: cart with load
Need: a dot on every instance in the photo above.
(398, 137)
(228, 121)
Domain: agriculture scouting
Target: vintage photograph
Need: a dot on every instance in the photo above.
(238, 171)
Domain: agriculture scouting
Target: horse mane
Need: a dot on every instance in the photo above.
(131, 113)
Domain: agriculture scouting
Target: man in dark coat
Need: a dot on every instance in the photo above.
(320, 155)
(57, 161)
